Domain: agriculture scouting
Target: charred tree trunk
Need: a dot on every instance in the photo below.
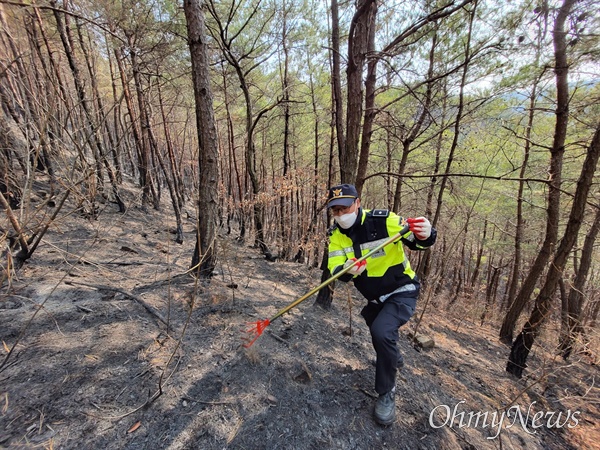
(235, 186)
(134, 124)
(149, 194)
(543, 303)
(286, 198)
(336, 80)
(93, 134)
(459, 113)
(258, 213)
(100, 118)
(491, 289)
(481, 244)
(574, 319)
(369, 116)
(205, 253)
(438, 150)
(325, 295)
(516, 266)
(555, 175)
(178, 185)
(309, 232)
(116, 131)
(358, 37)
(417, 126)
(169, 179)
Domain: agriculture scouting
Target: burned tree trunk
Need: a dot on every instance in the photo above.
(555, 172)
(205, 253)
(574, 325)
(543, 303)
(358, 38)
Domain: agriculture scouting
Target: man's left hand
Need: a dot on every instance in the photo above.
(420, 226)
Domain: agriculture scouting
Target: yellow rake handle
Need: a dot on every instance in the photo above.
(330, 280)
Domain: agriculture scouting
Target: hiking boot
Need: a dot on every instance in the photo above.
(385, 408)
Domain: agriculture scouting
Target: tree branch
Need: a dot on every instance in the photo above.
(440, 13)
(64, 11)
(460, 175)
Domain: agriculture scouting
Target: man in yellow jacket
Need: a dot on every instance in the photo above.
(385, 279)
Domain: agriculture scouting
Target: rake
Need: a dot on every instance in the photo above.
(257, 328)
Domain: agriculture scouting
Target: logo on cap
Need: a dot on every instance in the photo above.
(337, 192)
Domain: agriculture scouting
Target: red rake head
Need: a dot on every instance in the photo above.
(253, 333)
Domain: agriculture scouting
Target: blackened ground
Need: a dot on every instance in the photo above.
(95, 369)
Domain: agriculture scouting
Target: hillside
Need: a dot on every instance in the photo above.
(90, 358)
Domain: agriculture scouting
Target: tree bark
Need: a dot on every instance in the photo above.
(100, 118)
(358, 37)
(235, 61)
(369, 116)
(543, 303)
(417, 126)
(205, 253)
(574, 320)
(134, 124)
(144, 158)
(169, 179)
(286, 198)
(92, 136)
(516, 266)
(555, 175)
(336, 80)
(325, 295)
(459, 113)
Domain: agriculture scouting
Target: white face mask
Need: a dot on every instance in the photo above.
(346, 220)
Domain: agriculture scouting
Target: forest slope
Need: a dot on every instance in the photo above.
(86, 371)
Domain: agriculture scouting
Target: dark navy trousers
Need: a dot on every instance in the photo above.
(384, 320)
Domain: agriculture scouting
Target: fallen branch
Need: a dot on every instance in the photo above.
(146, 306)
(280, 339)
(148, 402)
(364, 391)
(190, 399)
(15, 224)
(120, 263)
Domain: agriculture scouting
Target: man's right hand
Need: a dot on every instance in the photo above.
(358, 268)
(420, 226)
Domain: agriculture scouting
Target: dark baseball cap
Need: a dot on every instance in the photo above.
(342, 194)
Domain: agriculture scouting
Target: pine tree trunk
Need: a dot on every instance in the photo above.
(555, 173)
(149, 194)
(336, 75)
(205, 253)
(325, 295)
(543, 303)
(357, 49)
(92, 136)
(574, 320)
(370, 112)
(134, 125)
(459, 113)
(417, 126)
(285, 199)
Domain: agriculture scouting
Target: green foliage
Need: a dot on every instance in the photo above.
(511, 54)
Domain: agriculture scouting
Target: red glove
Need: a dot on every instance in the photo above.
(358, 268)
(420, 226)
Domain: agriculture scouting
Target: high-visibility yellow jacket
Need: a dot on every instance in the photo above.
(388, 269)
